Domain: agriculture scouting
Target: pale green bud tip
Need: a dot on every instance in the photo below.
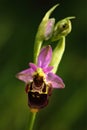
(49, 12)
(62, 28)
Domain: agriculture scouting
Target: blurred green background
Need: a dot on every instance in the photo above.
(67, 109)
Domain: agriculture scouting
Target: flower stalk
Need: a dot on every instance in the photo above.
(32, 120)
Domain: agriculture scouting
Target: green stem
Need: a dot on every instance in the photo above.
(32, 120)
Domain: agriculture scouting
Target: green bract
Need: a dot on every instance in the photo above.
(57, 54)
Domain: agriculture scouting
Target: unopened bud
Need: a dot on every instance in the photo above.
(62, 28)
(44, 32)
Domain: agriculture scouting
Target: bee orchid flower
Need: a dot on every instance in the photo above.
(40, 80)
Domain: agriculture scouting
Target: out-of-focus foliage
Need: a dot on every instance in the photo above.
(67, 109)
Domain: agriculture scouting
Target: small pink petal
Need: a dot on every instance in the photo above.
(55, 80)
(33, 66)
(45, 56)
(25, 75)
(49, 28)
(48, 69)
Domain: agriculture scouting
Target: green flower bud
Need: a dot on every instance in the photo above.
(62, 28)
(46, 26)
(45, 31)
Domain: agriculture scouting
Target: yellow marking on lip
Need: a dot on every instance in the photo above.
(40, 72)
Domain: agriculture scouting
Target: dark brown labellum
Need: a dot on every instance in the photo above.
(39, 98)
(36, 100)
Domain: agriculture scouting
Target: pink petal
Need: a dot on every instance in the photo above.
(48, 69)
(55, 80)
(25, 75)
(49, 28)
(33, 66)
(45, 56)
